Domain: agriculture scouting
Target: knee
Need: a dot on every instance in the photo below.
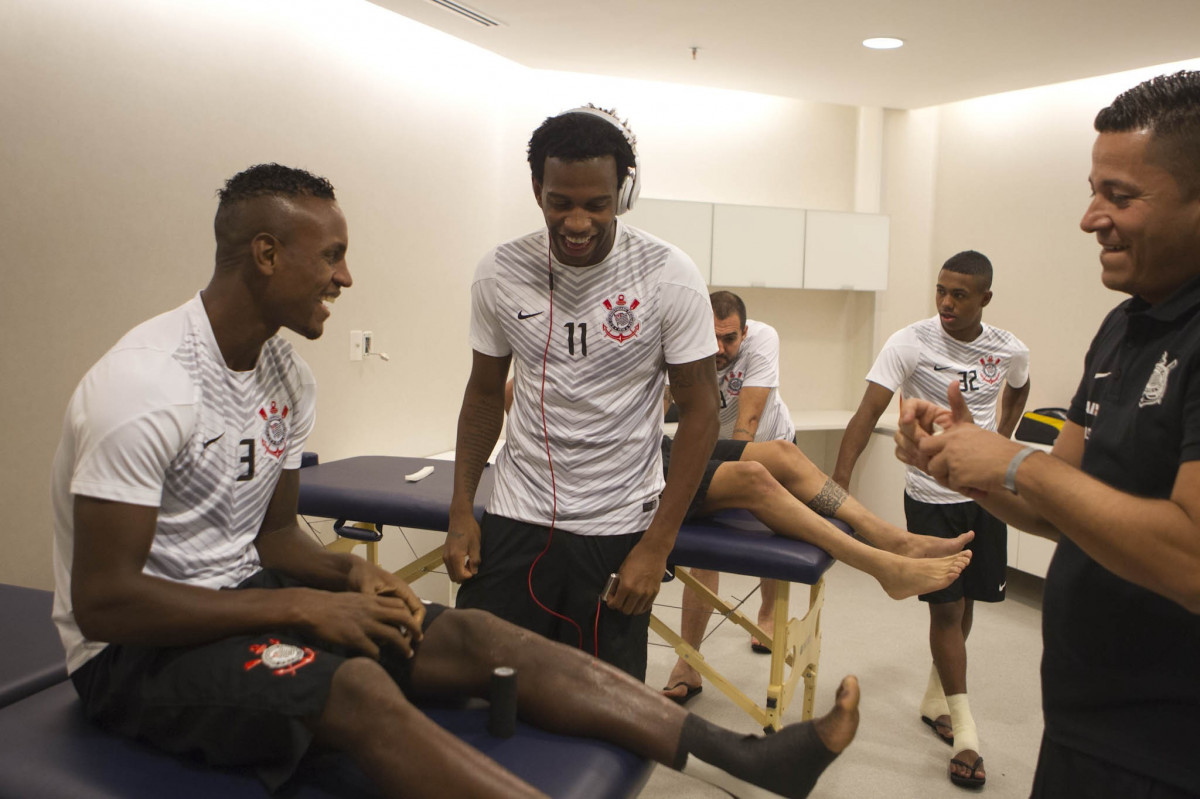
(473, 635)
(754, 482)
(789, 462)
(359, 688)
(946, 615)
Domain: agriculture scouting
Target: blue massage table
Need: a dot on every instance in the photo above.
(48, 750)
(33, 656)
(372, 491)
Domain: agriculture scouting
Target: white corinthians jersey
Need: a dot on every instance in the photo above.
(161, 421)
(756, 365)
(922, 360)
(606, 334)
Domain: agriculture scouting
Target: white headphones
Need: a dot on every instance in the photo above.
(631, 186)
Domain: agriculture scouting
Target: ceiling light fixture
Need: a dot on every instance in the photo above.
(883, 43)
(466, 12)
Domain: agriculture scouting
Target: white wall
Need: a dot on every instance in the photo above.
(123, 118)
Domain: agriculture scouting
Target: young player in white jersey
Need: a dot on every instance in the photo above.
(592, 315)
(786, 491)
(197, 615)
(992, 368)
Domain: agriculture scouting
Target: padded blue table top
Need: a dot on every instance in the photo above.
(371, 488)
(49, 751)
(32, 656)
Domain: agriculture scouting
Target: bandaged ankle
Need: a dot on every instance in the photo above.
(934, 703)
(965, 735)
(787, 762)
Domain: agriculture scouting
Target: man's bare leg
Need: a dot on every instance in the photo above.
(766, 610)
(803, 480)
(949, 627)
(748, 484)
(692, 624)
(403, 752)
(567, 691)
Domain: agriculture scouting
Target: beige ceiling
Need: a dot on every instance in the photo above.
(811, 49)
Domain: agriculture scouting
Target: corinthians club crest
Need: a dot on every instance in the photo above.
(282, 659)
(620, 323)
(1156, 386)
(991, 369)
(274, 437)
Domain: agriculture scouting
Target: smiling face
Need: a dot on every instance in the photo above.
(960, 300)
(309, 266)
(1149, 234)
(730, 335)
(579, 201)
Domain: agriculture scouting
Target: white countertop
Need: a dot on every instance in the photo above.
(805, 421)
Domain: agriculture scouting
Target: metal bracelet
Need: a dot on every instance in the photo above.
(1010, 476)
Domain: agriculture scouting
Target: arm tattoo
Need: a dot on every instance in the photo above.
(829, 499)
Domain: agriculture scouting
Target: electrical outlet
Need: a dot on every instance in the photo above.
(366, 343)
(356, 345)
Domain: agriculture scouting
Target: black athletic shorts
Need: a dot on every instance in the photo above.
(239, 701)
(984, 579)
(568, 579)
(726, 450)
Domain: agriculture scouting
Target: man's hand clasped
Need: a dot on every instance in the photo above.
(946, 444)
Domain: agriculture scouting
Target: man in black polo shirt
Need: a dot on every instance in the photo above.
(1121, 669)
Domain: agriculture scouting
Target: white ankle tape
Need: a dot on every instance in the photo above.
(966, 736)
(934, 703)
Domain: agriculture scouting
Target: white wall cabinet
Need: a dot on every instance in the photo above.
(758, 246)
(687, 225)
(764, 247)
(845, 251)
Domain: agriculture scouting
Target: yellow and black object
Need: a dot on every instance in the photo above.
(1041, 425)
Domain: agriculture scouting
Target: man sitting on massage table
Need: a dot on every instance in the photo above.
(757, 466)
(198, 616)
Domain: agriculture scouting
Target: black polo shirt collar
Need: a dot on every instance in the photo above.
(1184, 300)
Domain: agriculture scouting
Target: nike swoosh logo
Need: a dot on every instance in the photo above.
(211, 441)
(1100, 375)
(523, 315)
(1003, 584)
(937, 368)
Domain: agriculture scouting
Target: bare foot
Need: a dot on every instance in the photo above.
(683, 677)
(837, 727)
(930, 546)
(767, 623)
(907, 577)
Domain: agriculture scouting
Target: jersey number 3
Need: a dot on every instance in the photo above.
(248, 459)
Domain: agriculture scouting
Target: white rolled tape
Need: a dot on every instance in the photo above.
(419, 474)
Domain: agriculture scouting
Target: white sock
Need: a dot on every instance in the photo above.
(934, 703)
(966, 736)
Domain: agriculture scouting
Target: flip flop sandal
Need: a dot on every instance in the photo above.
(937, 727)
(692, 690)
(973, 781)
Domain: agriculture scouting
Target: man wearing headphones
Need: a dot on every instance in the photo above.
(592, 315)
(197, 615)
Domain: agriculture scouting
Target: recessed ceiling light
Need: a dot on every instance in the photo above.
(883, 43)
